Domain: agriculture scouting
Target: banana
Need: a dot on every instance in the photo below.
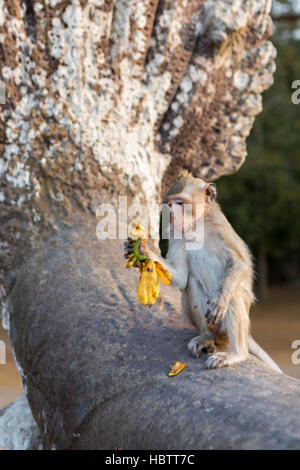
(163, 275)
(150, 272)
(177, 368)
(129, 264)
(139, 256)
(148, 288)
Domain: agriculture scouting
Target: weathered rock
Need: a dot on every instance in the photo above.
(96, 362)
(106, 97)
(18, 429)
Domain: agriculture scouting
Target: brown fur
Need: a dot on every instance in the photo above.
(215, 280)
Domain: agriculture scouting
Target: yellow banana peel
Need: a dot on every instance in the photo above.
(163, 275)
(151, 272)
(148, 288)
(177, 368)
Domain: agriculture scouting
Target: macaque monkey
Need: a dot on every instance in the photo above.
(212, 267)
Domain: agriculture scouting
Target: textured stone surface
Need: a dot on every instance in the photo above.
(108, 97)
(18, 429)
(96, 362)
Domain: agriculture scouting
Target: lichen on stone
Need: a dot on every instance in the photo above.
(107, 97)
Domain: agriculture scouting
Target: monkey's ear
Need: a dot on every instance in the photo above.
(210, 192)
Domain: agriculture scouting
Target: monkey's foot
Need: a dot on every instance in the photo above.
(224, 359)
(200, 345)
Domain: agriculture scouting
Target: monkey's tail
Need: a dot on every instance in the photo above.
(257, 351)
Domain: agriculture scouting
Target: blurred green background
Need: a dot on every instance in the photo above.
(262, 200)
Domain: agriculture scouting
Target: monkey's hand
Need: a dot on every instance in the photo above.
(149, 253)
(134, 246)
(217, 308)
(145, 251)
(134, 251)
(137, 251)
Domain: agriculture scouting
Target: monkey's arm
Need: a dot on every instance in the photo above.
(176, 265)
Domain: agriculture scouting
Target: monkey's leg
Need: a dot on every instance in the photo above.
(236, 323)
(202, 344)
(217, 308)
(219, 304)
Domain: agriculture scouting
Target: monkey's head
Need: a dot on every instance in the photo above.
(188, 199)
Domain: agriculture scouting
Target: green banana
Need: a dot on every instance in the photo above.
(136, 252)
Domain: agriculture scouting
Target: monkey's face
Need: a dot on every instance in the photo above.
(181, 212)
(189, 205)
